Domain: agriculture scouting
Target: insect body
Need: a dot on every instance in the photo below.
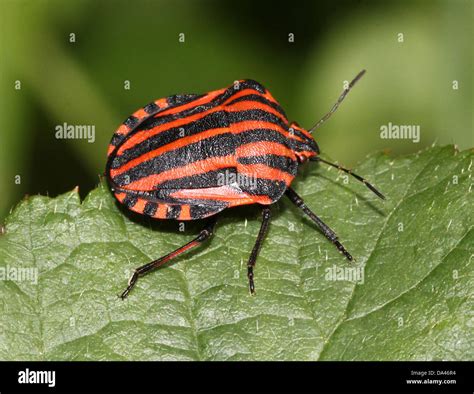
(188, 157)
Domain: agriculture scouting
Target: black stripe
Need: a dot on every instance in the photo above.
(297, 146)
(181, 99)
(150, 108)
(251, 84)
(271, 188)
(131, 121)
(117, 139)
(282, 163)
(150, 208)
(260, 99)
(261, 135)
(204, 210)
(219, 145)
(129, 200)
(173, 211)
(255, 114)
(198, 181)
(211, 121)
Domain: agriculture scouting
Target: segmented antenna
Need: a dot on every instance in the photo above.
(358, 177)
(338, 102)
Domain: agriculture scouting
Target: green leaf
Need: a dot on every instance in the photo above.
(413, 300)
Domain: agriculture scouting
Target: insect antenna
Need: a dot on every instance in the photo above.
(338, 102)
(358, 177)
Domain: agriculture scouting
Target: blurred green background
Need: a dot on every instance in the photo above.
(82, 82)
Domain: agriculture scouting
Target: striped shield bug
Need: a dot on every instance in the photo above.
(190, 156)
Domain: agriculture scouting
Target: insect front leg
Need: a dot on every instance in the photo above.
(266, 215)
(328, 233)
(205, 233)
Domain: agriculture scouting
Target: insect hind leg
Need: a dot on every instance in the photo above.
(326, 230)
(205, 234)
(266, 215)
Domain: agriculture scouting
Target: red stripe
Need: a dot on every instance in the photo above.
(185, 213)
(161, 211)
(249, 105)
(264, 148)
(264, 172)
(120, 196)
(140, 114)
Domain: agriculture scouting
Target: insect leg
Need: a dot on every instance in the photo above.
(329, 234)
(266, 215)
(205, 233)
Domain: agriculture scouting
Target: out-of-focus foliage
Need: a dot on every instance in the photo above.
(82, 82)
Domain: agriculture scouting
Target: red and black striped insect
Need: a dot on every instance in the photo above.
(188, 157)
